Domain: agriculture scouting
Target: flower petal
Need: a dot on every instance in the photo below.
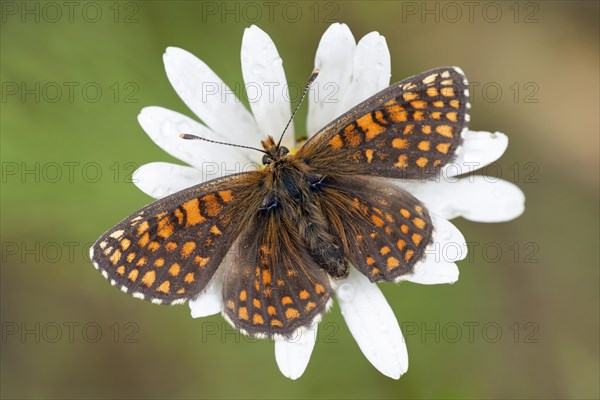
(371, 71)
(210, 98)
(476, 198)
(266, 85)
(334, 58)
(210, 301)
(160, 179)
(372, 323)
(438, 266)
(292, 355)
(479, 149)
(164, 127)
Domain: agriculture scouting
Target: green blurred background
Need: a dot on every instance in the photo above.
(541, 291)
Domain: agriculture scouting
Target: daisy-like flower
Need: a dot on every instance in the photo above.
(352, 72)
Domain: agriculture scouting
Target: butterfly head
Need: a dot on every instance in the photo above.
(273, 151)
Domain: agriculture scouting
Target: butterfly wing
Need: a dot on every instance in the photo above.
(409, 130)
(168, 251)
(272, 286)
(384, 229)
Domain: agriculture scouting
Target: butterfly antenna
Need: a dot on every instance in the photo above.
(194, 137)
(312, 78)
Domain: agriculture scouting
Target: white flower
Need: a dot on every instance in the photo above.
(354, 72)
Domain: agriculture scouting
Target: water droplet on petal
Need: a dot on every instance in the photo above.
(258, 69)
(346, 292)
(277, 61)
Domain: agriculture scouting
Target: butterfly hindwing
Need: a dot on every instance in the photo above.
(386, 229)
(409, 130)
(168, 251)
(272, 286)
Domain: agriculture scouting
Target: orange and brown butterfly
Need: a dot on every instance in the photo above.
(282, 233)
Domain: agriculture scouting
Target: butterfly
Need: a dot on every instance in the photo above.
(281, 234)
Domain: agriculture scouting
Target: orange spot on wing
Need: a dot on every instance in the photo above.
(187, 248)
(402, 161)
(215, 230)
(408, 255)
(398, 143)
(243, 295)
(144, 240)
(291, 313)
(408, 129)
(189, 278)
(115, 257)
(121, 270)
(130, 257)
(286, 300)
(416, 238)
(404, 228)
(401, 243)
(392, 263)
(309, 306)
(125, 243)
(159, 262)
(447, 92)
(438, 104)
(319, 288)
(452, 116)
(384, 250)
(405, 213)
(266, 276)
(372, 129)
(422, 161)
(257, 319)
(444, 130)
(141, 262)
(369, 155)
(164, 287)
(419, 223)
(143, 227)
(377, 221)
(256, 303)
(174, 269)
(192, 212)
(419, 104)
(226, 195)
(179, 216)
(149, 278)
(454, 103)
(423, 145)
(211, 205)
(443, 147)
(408, 96)
(153, 246)
(171, 246)
(276, 322)
(336, 142)
(243, 313)
(304, 295)
(201, 261)
(271, 310)
(133, 275)
(432, 92)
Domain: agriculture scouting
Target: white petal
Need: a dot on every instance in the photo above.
(371, 71)
(476, 198)
(292, 355)
(372, 323)
(210, 98)
(478, 150)
(160, 179)
(266, 85)
(164, 127)
(438, 265)
(334, 58)
(210, 301)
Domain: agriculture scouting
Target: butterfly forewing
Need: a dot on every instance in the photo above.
(168, 251)
(409, 130)
(272, 286)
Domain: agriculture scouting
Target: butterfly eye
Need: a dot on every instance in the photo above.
(284, 150)
(266, 160)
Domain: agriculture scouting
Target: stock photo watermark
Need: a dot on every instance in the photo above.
(69, 332)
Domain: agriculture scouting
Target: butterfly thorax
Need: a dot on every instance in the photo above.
(293, 192)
